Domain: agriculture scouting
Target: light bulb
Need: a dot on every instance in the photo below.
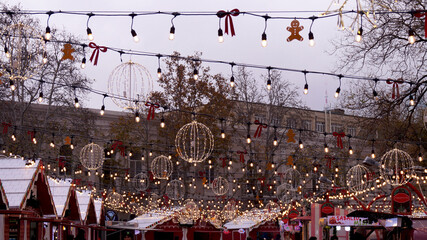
(373, 153)
(420, 157)
(305, 89)
(268, 84)
(7, 53)
(232, 81)
(172, 33)
(137, 118)
(52, 144)
(47, 35)
(311, 39)
(350, 150)
(83, 65)
(102, 110)
(150, 153)
(89, 34)
(142, 158)
(196, 74)
(300, 144)
(162, 123)
(40, 97)
(130, 154)
(326, 148)
(359, 35)
(264, 40)
(134, 35)
(76, 102)
(411, 100)
(44, 60)
(72, 146)
(248, 139)
(337, 92)
(34, 140)
(275, 142)
(159, 73)
(222, 133)
(411, 37)
(13, 137)
(220, 36)
(12, 85)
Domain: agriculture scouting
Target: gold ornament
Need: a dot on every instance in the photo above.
(357, 179)
(175, 190)
(220, 186)
(397, 167)
(161, 167)
(92, 156)
(194, 142)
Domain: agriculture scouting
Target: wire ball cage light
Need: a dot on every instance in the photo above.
(194, 142)
(141, 182)
(291, 179)
(189, 213)
(175, 190)
(229, 211)
(24, 51)
(397, 167)
(132, 85)
(161, 167)
(273, 209)
(92, 156)
(220, 186)
(114, 200)
(357, 179)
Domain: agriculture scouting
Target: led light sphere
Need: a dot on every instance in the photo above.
(397, 167)
(175, 190)
(194, 142)
(162, 167)
(291, 179)
(114, 200)
(141, 182)
(357, 178)
(220, 186)
(92, 156)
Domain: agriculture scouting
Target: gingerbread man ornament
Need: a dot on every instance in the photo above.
(295, 28)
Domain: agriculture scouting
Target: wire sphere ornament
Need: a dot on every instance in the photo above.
(220, 186)
(291, 179)
(229, 211)
(284, 195)
(24, 50)
(141, 181)
(92, 156)
(132, 83)
(397, 167)
(134, 208)
(162, 167)
(194, 142)
(357, 178)
(114, 200)
(189, 213)
(273, 209)
(175, 190)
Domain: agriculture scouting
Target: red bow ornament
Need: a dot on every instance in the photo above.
(151, 110)
(224, 162)
(77, 181)
(420, 14)
(61, 163)
(31, 133)
(395, 93)
(228, 20)
(329, 161)
(241, 156)
(259, 129)
(95, 53)
(119, 145)
(339, 137)
(202, 174)
(5, 127)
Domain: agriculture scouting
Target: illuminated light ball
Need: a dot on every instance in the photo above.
(114, 200)
(92, 156)
(284, 195)
(134, 208)
(189, 213)
(132, 82)
(220, 186)
(357, 178)
(25, 49)
(397, 167)
(229, 211)
(175, 190)
(291, 179)
(141, 182)
(161, 167)
(194, 142)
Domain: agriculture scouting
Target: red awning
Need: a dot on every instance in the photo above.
(304, 218)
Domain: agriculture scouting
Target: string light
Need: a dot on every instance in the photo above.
(71, 143)
(137, 118)
(12, 85)
(14, 134)
(40, 99)
(337, 92)
(34, 139)
(172, 30)
(162, 122)
(88, 30)
(195, 74)
(220, 33)
(159, 70)
(102, 112)
(305, 91)
(269, 79)
(76, 102)
(232, 75)
(374, 92)
(248, 138)
(44, 60)
(222, 128)
(264, 35)
(373, 150)
(48, 35)
(326, 149)
(350, 149)
(52, 143)
(6, 52)
(411, 37)
(310, 34)
(359, 35)
(411, 100)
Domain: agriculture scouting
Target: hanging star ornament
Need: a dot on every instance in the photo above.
(68, 50)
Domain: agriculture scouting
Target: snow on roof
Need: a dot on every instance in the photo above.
(16, 178)
(83, 199)
(98, 210)
(152, 219)
(249, 220)
(60, 191)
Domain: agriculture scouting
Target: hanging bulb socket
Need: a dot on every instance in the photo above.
(232, 81)
(102, 112)
(12, 85)
(137, 118)
(47, 35)
(134, 35)
(7, 53)
(411, 100)
(359, 35)
(300, 144)
(220, 36)
(222, 133)
(83, 65)
(248, 139)
(268, 84)
(89, 34)
(172, 33)
(159, 73)
(311, 39)
(196, 74)
(420, 157)
(411, 36)
(375, 94)
(76, 102)
(306, 89)
(326, 148)
(373, 153)
(337, 92)
(162, 122)
(264, 40)
(40, 97)
(350, 150)
(275, 142)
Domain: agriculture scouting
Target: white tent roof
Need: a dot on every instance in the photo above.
(249, 220)
(59, 190)
(16, 178)
(83, 199)
(152, 219)
(98, 210)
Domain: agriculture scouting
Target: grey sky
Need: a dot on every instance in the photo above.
(200, 34)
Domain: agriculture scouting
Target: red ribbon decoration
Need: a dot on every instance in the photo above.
(61, 163)
(166, 200)
(242, 156)
(228, 20)
(370, 176)
(395, 93)
(329, 161)
(77, 181)
(6, 127)
(150, 173)
(202, 174)
(420, 14)
(224, 162)
(95, 53)
(31, 133)
(151, 110)
(119, 145)
(259, 129)
(339, 137)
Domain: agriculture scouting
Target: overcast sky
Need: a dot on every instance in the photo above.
(199, 34)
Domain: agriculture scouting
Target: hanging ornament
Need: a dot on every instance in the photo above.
(95, 54)
(161, 167)
(220, 186)
(175, 190)
(397, 167)
(230, 210)
(68, 50)
(141, 182)
(358, 178)
(294, 29)
(273, 210)
(92, 156)
(291, 136)
(134, 208)
(133, 82)
(291, 179)
(114, 200)
(24, 49)
(189, 213)
(194, 142)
